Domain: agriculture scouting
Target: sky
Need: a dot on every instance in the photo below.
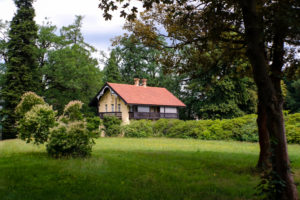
(96, 30)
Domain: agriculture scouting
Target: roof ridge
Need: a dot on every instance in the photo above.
(136, 86)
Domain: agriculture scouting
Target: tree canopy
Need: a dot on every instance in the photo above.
(69, 70)
(21, 63)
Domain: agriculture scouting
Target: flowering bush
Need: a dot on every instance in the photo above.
(70, 140)
(28, 100)
(35, 125)
(72, 111)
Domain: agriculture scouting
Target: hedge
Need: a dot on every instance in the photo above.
(240, 129)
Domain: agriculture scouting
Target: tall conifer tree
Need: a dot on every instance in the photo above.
(111, 70)
(21, 74)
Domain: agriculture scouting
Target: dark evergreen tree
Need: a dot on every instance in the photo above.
(111, 70)
(21, 74)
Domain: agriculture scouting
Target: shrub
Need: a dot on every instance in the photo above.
(217, 131)
(72, 111)
(70, 140)
(93, 124)
(179, 130)
(249, 130)
(139, 128)
(202, 129)
(162, 127)
(112, 125)
(28, 100)
(293, 128)
(36, 124)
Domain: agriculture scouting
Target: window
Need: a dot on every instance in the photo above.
(105, 107)
(112, 108)
(143, 109)
(170, 110)
(119, 107)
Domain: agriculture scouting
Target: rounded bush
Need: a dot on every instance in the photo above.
(71, 140)
(36, 124)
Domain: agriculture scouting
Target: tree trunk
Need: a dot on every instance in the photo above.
(268, 94)
(264, 161)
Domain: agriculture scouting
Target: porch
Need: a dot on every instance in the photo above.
(152, 115)
(116, 114)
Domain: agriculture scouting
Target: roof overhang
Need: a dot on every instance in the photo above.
(95, 100)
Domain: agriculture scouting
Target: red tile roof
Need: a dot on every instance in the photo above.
(141, 95)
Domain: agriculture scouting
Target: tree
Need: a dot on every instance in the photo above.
(111, 70)
(69, 71)
(266, 30)
(212, 89)
(137, 60)
(21, 67)
(222, 98)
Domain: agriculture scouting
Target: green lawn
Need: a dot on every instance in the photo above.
(122, 168)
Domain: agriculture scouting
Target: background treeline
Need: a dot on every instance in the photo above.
(240, 129)
(65, 70)
(61, 66)
(211, 88)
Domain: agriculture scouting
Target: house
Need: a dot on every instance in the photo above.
(136, 101)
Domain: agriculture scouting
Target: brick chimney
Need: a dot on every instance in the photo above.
(144, 82)
(136, 81)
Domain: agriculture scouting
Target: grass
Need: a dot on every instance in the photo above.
(122, 168)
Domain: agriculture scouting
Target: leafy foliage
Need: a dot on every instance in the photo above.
(71, 135)
(70, 140)
(28, 100)
(293, 96)
(240, 129)
(111, 69)
(292, 125)
(72, 111)
(112, 125)
(138, 129)
(70, 72)
(36, 124)
(21, 66)
(162, 127)
(93, 124)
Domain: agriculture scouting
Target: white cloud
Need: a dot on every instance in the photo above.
(96, 30)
